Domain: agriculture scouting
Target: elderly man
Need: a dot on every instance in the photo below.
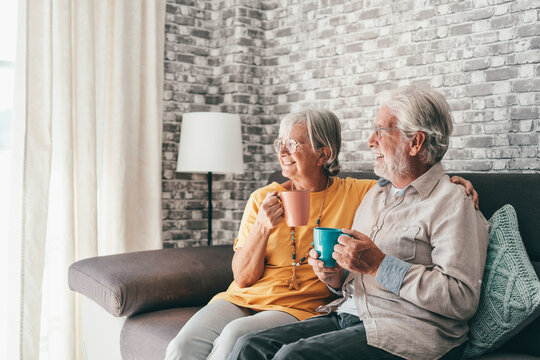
(410, 272)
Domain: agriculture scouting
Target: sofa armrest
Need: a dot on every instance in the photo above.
(143, 281)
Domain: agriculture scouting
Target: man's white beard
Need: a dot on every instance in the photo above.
(396, 167)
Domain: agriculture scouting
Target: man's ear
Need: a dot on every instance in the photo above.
(417, 142)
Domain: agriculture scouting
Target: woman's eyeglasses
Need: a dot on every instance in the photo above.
(290, 145)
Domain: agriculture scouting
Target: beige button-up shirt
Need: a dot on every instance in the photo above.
(433, 226)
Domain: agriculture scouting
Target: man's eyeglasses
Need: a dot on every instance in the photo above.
(378, 130)
(290, 145)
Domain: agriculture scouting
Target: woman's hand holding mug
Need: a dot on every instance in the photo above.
(270, 212)
(332, 276)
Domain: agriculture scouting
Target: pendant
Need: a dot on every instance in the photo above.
(293, 282)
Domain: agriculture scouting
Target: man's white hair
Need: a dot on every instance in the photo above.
(421, 109)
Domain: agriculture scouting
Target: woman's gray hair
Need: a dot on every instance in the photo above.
(421, 109)
(324, 130)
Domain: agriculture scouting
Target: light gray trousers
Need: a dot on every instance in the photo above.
(212, 332)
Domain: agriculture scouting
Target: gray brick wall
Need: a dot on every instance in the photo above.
(264, 59)
(213, 62)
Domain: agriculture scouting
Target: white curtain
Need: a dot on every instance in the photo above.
(87, 165)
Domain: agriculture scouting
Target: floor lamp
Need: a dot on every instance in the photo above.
(210, 142)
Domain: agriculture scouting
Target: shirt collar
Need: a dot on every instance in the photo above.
(424, 184)
(383, 182)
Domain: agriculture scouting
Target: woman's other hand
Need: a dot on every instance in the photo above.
(469, 189)
(332, 276)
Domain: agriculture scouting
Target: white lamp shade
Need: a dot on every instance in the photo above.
(210, 142)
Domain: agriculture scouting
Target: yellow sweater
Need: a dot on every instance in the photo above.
(271, 291)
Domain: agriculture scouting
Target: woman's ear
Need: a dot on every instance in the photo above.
(417, 142)
(325, 154)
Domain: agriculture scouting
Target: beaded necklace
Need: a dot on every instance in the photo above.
(294, 282)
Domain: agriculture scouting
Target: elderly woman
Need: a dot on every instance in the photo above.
(266, 250)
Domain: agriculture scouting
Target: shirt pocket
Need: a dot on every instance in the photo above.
(401, 241)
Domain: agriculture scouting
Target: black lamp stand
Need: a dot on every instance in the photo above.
(209, 181)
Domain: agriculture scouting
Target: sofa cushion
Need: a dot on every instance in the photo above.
(146, 336)
(510, 297)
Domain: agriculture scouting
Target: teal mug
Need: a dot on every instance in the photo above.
(324, 240)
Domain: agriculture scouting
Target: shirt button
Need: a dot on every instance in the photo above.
(375, 228)
(405, 228)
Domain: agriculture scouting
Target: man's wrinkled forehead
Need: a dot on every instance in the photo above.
(385, 118)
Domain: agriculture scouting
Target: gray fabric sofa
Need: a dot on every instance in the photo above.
(158, 291)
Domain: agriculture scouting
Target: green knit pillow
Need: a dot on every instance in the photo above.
(510, 297)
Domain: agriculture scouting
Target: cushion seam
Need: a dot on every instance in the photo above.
(108, 289)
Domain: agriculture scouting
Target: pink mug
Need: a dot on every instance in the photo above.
(296, 207)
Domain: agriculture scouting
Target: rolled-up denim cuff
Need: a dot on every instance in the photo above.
(391, 273)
